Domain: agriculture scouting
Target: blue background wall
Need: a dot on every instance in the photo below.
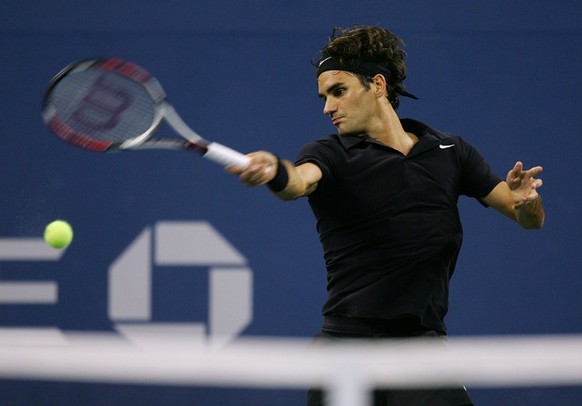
(504, 74)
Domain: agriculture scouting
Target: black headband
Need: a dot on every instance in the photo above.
(360, 67)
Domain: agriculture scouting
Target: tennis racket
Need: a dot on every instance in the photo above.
(106, 105)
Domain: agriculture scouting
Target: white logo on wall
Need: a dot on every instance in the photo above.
(195, 244)
(184, 244)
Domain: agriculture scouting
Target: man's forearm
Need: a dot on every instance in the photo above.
(288, 183)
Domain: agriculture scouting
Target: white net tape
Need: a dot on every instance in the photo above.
(347, 371)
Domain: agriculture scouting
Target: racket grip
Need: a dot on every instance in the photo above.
(226, 156)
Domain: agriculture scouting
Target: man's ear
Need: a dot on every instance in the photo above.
(380, 86)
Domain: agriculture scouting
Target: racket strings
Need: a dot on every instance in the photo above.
(103, 105)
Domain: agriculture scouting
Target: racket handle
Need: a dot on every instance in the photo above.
(226, 156)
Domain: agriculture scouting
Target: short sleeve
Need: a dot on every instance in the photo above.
(477, 177)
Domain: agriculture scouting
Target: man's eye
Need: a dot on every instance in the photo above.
(339, 91)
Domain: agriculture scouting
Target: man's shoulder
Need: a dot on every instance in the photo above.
(329, 141)
(420, 129)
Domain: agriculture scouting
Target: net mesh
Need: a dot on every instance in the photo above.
(103, 105)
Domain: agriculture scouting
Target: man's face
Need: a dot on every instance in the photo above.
(349, 104)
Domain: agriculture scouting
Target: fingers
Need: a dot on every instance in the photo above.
(518, 176)
(518, 170)
(538, 183)
(518, 167)
(525, 199)
(261, 170)
(514, 175)
(529, 193)
(529, 176)
(533, 182)
(258, 174)
(536, 170)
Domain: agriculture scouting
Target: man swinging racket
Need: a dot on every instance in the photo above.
(384, 192)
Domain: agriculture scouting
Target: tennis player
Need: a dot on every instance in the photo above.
(384, 192)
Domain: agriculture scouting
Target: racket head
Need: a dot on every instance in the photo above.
(103, 104)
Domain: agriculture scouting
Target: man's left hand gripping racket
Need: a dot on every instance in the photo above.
(109, 104)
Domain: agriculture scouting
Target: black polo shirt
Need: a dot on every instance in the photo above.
(389, 224)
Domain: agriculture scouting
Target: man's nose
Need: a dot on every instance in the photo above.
(329, 107)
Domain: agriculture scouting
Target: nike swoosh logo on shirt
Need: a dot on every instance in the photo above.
(446, 146)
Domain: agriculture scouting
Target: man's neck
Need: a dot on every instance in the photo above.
(389, 131)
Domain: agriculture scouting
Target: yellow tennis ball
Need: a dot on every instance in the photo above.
(58, 234)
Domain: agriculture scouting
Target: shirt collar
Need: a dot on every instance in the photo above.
(416, 127)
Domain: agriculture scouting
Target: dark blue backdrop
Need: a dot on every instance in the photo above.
(504, 74)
